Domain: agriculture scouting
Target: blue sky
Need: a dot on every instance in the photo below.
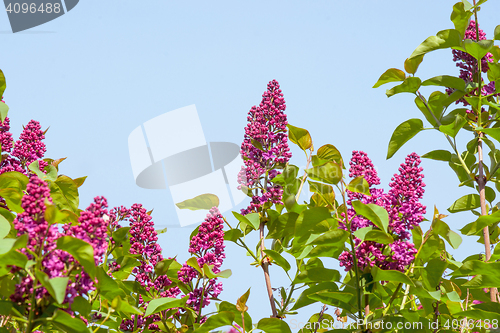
(106, 67)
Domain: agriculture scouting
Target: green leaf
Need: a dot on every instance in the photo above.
(493, 132)
(330, 153)
(453, 128)
(300, 137)
(209, 273)
(226, 306)
(232, 235)
(12, 197)
(411, 65)
(376, 214)
(446, 81)
(304, 299)
(361, 233)
(122, 305)
(81, 305)
(164, 303)
(460, 17)
(443, 39)
(162, 267)
(497, 32)
(107, 286)
(278, 259)
(193, 262)
(325, 251)
(4, 111)
(324, 191)
(80, 250)
(3, 85)
(467, 202)
(13, 179)
(476, 227)
(432, 273)
(220, 319)
(4, 227)
(273, 325)
(335, 237)
(241, 303)
(121, 234)
(390, 275)
(409, 85)
(438, 155)
(55, 286)
(495, 51)
(79, 181)
(402, 134)
(434, 113)
(309, 219)
(379, 236)
(51, 170)
(257, 144)
(390, 75)
(64, 193)
(329, 173)
(66, 323)
(359, 185)
(493, 71)
(325, 296)
(252, 219)
(477, 267)
(317, 274)
(204, 201)
(480, 315)
(444, 231)
(478, 49)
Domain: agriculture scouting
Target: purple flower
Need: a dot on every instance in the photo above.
(403, 207)
(30, 147)
(468, 64)
(41, 237)
(144, 244)
(17, 156)
(91, 228)
(208, 247)
(264, 147)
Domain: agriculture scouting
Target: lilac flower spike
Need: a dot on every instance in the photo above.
(468, 64)
(403, 207)
(264, 146)
(208, 247)
(41, 237)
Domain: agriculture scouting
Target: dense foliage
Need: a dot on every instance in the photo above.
(101, 269)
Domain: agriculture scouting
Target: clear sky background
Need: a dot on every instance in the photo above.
(106, 67)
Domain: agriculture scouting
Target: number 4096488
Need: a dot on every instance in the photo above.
(33, 8)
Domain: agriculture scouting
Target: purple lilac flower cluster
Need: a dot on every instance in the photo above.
(24, 151)
(143, 242)
(42, 238)
(265, 146)
(92, 228)
(468, 64)
(403, 207)
(208, 247)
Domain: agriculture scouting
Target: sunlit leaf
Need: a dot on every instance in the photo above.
(404, 132)
(443, 39)
(300, 137)
(390, 75)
